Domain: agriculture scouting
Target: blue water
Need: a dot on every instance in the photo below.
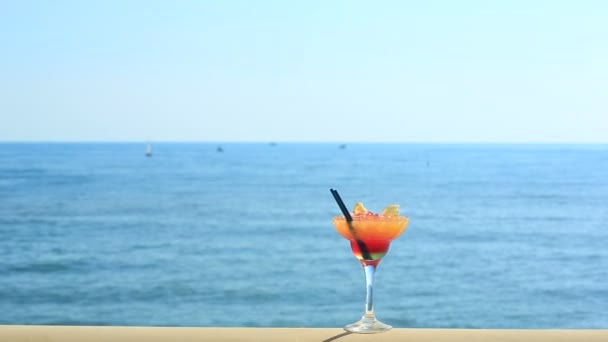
(501, 236)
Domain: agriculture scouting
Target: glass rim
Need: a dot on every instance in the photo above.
(378, 217)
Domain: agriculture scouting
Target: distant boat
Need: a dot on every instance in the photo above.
(220, 149)
(343, 146)
(149, 150)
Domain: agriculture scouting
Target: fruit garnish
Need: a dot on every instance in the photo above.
(391, 210)
(359, 208)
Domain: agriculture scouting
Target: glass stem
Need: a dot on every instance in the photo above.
(370, 270)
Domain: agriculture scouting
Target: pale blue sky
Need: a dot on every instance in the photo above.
(407, 71)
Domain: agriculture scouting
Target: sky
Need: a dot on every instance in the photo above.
(337, 71)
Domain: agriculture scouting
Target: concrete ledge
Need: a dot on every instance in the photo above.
(36, 333)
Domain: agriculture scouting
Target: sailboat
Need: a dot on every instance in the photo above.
(149, 150)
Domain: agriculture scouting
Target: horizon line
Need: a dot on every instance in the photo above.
(147, 141)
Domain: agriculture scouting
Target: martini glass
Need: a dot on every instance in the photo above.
(370, 236)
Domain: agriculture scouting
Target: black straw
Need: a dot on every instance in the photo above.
(341, 205)
(349, 220)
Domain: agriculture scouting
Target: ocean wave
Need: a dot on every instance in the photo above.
(48, 267)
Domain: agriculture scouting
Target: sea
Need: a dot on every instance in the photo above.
(241, 234)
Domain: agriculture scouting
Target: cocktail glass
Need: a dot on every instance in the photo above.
(370, 236)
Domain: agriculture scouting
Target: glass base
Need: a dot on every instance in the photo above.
(368, 325)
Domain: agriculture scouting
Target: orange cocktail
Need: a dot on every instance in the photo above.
(370, 237)
(370, 234)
